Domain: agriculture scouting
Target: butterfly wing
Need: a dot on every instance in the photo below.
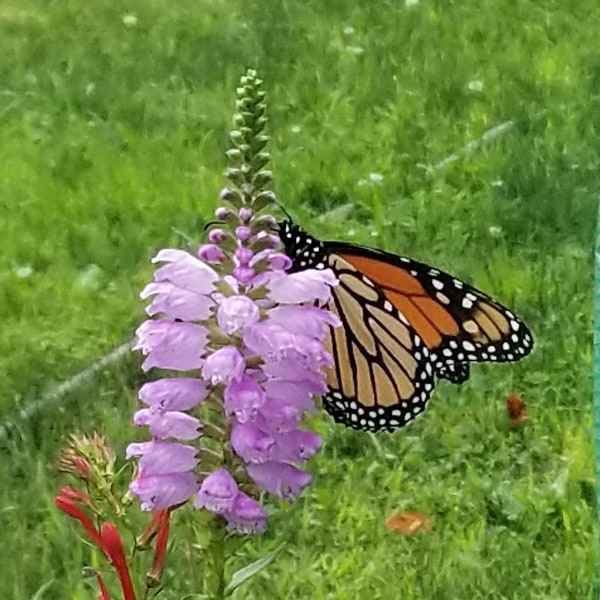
(382, 376)
(458, 323)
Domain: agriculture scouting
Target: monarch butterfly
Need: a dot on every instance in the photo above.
(403, 324)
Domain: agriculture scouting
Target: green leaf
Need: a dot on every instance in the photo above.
(240, 576)
(42, 591)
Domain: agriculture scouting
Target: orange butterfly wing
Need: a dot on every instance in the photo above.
(457, 322)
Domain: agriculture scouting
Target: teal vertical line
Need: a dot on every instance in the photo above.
(597, 374)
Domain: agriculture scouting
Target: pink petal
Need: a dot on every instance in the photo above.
(217, 492)
(304, 286)
(176, 302)
(163, 491)
(169, 424)
(173, 393)
(185, 271)
(171, 344)
(279, 479)
(160, 458)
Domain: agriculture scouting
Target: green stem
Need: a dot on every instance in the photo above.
(214, 556)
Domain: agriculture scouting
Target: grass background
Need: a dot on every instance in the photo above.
(113, 124)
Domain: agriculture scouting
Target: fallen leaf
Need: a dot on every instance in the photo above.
(408, 523)
(517, 411)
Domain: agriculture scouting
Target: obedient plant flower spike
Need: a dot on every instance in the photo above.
(249, 338)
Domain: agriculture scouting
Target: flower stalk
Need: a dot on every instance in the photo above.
(244, 343)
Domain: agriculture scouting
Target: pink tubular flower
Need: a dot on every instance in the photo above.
(217, 492)
(175, 393)
(185, 271)
(236, 313)
(171, 344)
(224, 365)
(168, 424)
(163, 491)
(177, 303)
(160, 458)
(246, 515)
(243, 398)
(280, 479)
(305, 286)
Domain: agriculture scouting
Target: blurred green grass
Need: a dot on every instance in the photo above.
(112, 133)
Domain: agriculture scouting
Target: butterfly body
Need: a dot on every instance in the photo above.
(404, 323)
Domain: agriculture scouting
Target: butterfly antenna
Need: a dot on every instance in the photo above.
(285, 212)
(211, 223)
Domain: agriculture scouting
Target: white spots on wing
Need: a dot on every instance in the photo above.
(468, 346)
(437, 284)
(404, 259)
(413, 273)
(515, 338)
(491, 349)
(457, 283)
(388, 306)
(447, 352)
(442, 298)
(466, 303)
(515, 325)
(453, 344)
(471, 297)
(506, 346)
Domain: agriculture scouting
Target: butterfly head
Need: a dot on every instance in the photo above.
(305, 251)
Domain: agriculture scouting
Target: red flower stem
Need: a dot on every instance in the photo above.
(111, 542)
(151, 530)
(104, 595)
(160, 549)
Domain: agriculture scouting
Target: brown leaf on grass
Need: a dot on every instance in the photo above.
(517, 411)
(408, 523)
